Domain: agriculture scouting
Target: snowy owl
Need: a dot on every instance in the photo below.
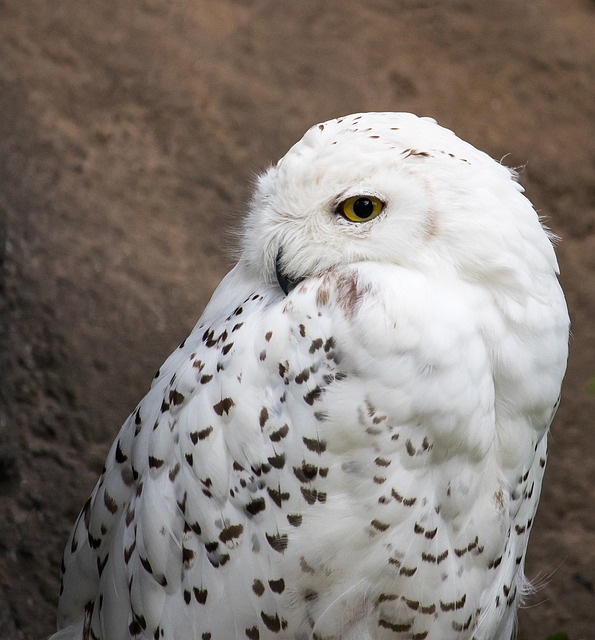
(351, 442)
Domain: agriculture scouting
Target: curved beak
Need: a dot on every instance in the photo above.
(286, 283)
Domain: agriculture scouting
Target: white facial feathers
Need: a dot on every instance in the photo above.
(448, 207)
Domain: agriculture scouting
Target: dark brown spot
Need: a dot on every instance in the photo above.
(462, 627)
(278, 435)
(187, 555)
(264, 416)
(146, 565)
(408, 502)
(313, 395)
(430, 557)
(127, 476)
(204, 433)
(101, 563)
(252, 633)
(395, 628)
(256, 506)
(310, 495)
(155, 463)
(442, 557)
(273, 623)
(455, 605)
(129, 515)
(278, 496)
(387, 597)
(224, 406)
(294, 519)
(94, 543)
(205, 378)
(305, 473)
(134, 628)
(315, 445)
(175, 397)
(200, 595)
(330, 344)
(231, 532)
(226, 348)
(277, 461)
(316, 344)
(278, 541)
(412, 604)
(120, 457)
(173, 473)
(258, 587)
(277, 586)
(164, 408)
(380, 526)
(128, 552)
(110, 503)
(414, 152)
(305, 567)
(261, 469)
(302, 376)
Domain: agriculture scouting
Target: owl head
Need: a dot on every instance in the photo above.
(399, 189)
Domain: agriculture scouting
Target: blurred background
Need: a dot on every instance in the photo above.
(130, 133)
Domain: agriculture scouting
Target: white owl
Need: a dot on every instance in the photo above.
(350, 444)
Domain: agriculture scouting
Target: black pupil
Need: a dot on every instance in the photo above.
(363, 207)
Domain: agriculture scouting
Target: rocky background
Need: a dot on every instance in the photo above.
(130, 132)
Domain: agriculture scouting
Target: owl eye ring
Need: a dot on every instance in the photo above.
(360, 208)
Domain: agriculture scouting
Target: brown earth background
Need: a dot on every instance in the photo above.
(129, 134)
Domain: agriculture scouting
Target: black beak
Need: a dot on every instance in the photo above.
(286, 283)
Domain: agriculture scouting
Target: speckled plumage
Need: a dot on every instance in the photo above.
(362, 457)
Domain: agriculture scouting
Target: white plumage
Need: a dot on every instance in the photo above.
(350, 444)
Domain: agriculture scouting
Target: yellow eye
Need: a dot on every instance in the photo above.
(360, 208)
